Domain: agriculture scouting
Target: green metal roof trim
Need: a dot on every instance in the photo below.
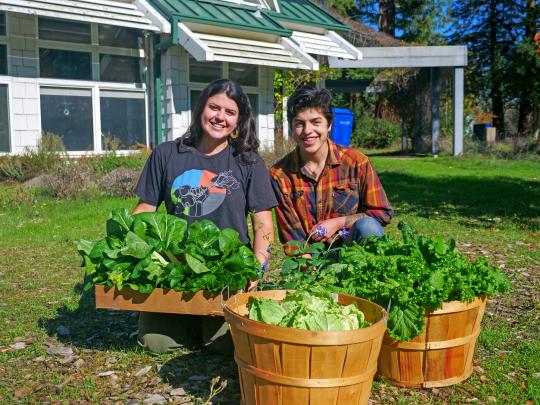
(220, 13)
(308, 13)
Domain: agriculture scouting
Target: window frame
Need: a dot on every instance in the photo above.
(5, 81)
(96, 88)
(197, 86)
(94, 48)
(4, 41)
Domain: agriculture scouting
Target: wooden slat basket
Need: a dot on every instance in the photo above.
(442, 354)
(280, 365)
(161, 300)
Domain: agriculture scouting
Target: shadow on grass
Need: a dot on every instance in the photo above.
(91, 328)
(510, 199)
(194, 372)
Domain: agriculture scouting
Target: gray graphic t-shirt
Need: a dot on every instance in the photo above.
(195, 186)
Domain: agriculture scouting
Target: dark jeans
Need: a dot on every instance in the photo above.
(365, 227)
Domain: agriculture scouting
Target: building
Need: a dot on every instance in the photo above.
(114, 74)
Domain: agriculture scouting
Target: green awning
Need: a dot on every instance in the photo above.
(306, 12)
(221, 13)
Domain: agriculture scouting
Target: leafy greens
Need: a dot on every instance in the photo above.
(150, 250)
(311, 309)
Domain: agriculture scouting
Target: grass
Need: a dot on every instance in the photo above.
(491, 207)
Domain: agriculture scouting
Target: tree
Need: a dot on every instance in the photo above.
(490, 30)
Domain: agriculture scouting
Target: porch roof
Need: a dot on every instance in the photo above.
(222, 14)
(306, 12)
(95, 11)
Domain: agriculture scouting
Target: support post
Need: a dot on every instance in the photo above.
(458, 110)
(435, 110)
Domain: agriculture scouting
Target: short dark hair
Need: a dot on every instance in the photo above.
(247, 140)
(310, 97)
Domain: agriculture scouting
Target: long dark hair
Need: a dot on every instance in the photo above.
(247, 140)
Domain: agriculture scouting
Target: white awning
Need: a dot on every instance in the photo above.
(94, 11)
(329, 44)
(209, 47)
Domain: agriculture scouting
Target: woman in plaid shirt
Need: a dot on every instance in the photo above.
(322, 187)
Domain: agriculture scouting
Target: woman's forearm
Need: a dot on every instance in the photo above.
(263, 235)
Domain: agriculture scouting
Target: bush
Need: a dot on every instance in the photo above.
(119, 183)
(375, 132)
(72, 181)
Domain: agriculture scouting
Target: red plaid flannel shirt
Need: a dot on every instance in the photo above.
(347, 185)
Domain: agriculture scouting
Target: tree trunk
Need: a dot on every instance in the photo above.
(422, 115)
(497, 104)
(525, 99)
(387, 17)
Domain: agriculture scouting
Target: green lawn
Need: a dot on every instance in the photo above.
(491, 207)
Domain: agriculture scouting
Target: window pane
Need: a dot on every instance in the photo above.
(120, 36)
(65, 64)
(204, 72)
(65, 31)
(193, 97)
(246, 75)
(3, 60)
(2, 23)
(254, 101)
(68, 113)
(114, 68)
(4, 119)
(123, 119)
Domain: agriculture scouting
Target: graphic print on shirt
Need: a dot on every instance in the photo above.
(199, 192)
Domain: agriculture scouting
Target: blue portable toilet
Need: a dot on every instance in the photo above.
(342, 126)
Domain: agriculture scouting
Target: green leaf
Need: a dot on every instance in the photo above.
(119, 223)
(136, 247)
(195, 265)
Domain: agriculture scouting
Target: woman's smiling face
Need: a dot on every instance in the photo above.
(219, 117)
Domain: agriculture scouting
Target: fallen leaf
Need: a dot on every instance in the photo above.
(60, 350)
(66, 359)
(502, 355)
(18, 346)
(78, 363)
(106, 373)
(483, 378)
(478, 369)
(178, 392)
(492, 399)
(537, 375)
(435, 391)
(154, 399)
(143, 371)
(39, 359)
(21, 392)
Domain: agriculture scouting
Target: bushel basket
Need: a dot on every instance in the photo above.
(280, 365)
(442, 354)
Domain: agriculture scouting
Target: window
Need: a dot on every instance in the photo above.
(115, 68)
(2, 23)
(3, 59)
(68, 113)
(65, 31)
(254, 101)
(65, 64)
(123, 118)
(4, 119)
(204, 72)
(120, 37)
(246, 75)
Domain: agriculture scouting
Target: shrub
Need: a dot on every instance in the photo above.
(72, 181)
(119, 183)
(375, 132)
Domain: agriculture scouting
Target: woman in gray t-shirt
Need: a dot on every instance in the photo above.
(212, 172)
